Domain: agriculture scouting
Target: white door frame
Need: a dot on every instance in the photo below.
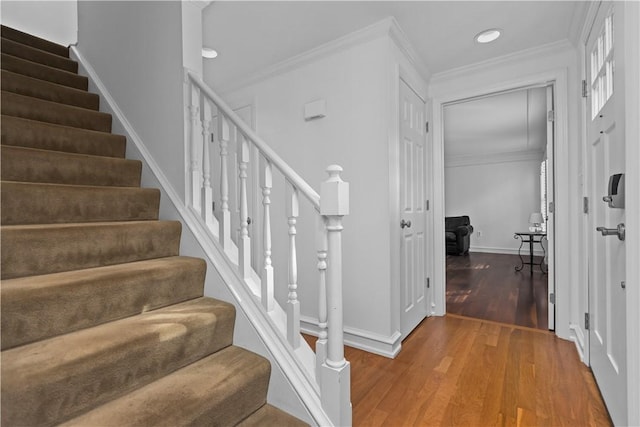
(631, 16)
(632, 133)
(561, 186)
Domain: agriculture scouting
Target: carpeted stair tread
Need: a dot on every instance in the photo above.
(29, 86)
(52, 112)
(44, 166)
(40, 56)
(219, 390)
(36, 203)
(39, 307)
(43, 72)
(51, 248)
(34, 41)
(22, 132)
(270, 416)
(78, 371)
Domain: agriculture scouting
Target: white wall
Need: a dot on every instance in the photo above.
(56, 21)
(136, 50)
(497, 197)
(354, 80)
(353, 135)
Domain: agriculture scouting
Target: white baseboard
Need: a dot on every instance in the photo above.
(363, 340)
(524, 252)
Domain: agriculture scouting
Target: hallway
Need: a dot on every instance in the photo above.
(460, 371)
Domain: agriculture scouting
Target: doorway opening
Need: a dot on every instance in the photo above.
(498, 188)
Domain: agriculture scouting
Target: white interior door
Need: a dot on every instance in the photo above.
(605, 151)
(412, 209)
(550, 211)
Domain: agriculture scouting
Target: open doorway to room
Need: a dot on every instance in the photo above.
(498, 152)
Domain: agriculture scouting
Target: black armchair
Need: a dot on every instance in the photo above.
(457, 231)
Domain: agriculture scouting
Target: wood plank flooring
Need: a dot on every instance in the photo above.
(486, 286)
(456, 371)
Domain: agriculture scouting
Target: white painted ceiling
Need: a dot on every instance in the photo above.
(250, 36)
(514, 122)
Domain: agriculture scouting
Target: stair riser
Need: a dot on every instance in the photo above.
(50, 249)
(36, 308)
(40, 56)
(28, 86)
(32, 134)
(37, 42)
(42, 72)
(52, 112)
(118, 358)
(29, 165)
(220, 390)
(27, 203)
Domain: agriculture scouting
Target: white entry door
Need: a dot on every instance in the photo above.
(412, 209)
(605, 157)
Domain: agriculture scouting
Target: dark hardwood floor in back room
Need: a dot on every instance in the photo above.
(486, 286)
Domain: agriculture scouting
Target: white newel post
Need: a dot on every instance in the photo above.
(225, 215)
(194, 114)
(321, 343)
(335, 380)
(244, 244)
(267, 270)
(293, 305)
(207, 191)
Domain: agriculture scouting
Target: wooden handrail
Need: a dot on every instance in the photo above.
(296, 180)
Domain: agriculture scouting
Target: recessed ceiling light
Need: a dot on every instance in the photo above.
(209, 53)
(488, 36)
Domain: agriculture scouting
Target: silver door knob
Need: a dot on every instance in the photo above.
(618, 231)
(405, 224)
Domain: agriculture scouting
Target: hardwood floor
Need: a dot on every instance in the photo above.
(456, 371)
(486, 286)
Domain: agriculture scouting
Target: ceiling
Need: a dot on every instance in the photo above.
(510, 123)
(250, 36)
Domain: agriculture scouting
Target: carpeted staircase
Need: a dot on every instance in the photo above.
(103, 322)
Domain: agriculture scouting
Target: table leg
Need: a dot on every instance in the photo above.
(531, 255)
(515, 236)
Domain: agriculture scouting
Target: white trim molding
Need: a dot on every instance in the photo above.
(386, 27)
(524, 253)
(522, 55)
(493, 158)
(387, 346)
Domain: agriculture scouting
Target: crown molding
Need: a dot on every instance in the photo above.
(402, 41)
(492, 158)
(387, 27)
(521, 55)
(578, 20)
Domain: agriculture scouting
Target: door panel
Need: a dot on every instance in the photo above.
(412, 209)
(605, 151)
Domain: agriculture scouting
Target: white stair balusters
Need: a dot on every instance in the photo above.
(321, 343)
(267, 285)
(244, 242)
(293, 305)
(194, 116)
(225, 214)
(329, 372)
(207, 191)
